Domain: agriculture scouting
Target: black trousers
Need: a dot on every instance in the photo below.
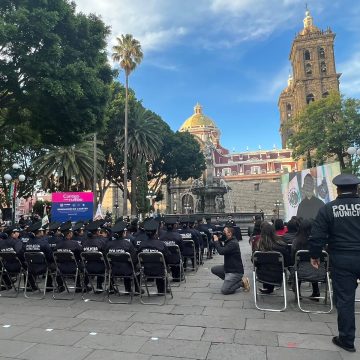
(345, 270)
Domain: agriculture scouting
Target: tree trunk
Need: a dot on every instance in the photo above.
(125, 208)
(134, 174)
(341, 160)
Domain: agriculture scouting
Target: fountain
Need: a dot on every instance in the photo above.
(209, 191)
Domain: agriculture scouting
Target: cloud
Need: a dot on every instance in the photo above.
(350, 79)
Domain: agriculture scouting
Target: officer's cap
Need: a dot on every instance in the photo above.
(346, 180)
(12, 229)
(192, 219)
(3, 236)
(65, 226)
(151, 225)
(184, 219)
(54, 225)
(35, 227)
(169, 220)
(119, 227)
(79, 225)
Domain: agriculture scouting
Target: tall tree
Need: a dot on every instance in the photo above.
(68, 168)
(325, 129)
(54, 73)
(129, 54)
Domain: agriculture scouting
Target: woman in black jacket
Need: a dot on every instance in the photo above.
(269, 241)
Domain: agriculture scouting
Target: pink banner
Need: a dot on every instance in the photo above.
(70, 197)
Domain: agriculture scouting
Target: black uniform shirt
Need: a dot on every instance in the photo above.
(338, 225)
(171, 238)
(41, 245)
(70, 245)
(122, 246)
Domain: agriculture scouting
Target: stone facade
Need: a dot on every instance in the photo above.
(313, 73)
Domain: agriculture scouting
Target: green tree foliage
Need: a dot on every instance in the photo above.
(68, 168)
(54, 74)
(325, 129)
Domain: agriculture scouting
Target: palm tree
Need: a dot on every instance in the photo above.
(144, 145)
(129, 54)
(67, 168)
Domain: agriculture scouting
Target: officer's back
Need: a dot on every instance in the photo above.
(170, 237)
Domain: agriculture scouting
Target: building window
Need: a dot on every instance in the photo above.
(288, 107)
(308, 69)
(310, 98)
(321, 53)
(255, 169)
(307, 55)
(323, 67)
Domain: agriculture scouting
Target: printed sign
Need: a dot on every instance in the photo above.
(72, 206)
(305, 192)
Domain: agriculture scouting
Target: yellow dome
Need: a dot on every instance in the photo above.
(197, 120)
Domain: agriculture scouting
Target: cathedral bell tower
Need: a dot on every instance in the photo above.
(313, 72)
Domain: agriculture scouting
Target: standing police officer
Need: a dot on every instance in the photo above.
(338, 225)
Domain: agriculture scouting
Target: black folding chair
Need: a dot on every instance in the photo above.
(37, 267)
(189, 252)
(148, 262)
(304, 271)
(12, 272)
(175, 252)
(121, 268)
(94, 265)
(269, 269)
(67, 268)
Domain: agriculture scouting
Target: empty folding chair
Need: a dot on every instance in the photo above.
(11, 274)
(304, 271)
(94, 266)
(269, 269)
(121, 268)
(37, 268)
(177, 263)
(153, 266)
(67, 269)
(189, 252)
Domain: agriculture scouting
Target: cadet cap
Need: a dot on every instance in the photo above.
(346, 180)
(65, 226)
(151, 225)
(120, 226)
(35, 227)
(170, 220)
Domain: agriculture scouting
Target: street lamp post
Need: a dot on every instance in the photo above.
(14, 176)
(355, 158)
(277, 207)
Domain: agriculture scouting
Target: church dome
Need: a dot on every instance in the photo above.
(198, 120)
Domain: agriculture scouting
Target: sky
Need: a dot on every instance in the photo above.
(231, 56)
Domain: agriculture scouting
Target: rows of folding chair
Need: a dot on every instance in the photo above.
(303, 272)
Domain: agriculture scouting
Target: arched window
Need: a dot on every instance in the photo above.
(310, 98)
(321, 53)
(308, 69)
(307, 55)
(288, 107)
(323, 67)
(325, 94)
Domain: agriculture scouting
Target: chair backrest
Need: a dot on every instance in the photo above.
(65, 261)
(93, 261)
(188, 245)
(174, 249)
(152, 262)
(306, 271)
(175, 254)
(120, 263)
(269, 266)
(36, 262)
(10, 262)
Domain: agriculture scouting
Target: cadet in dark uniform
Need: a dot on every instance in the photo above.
(171, 237)
(230, 221)
(9, 241)
(207, 236)
(78, 232)
(151, 244)
(338, 225)
(187, 234)
(121, 243)
(54, 235)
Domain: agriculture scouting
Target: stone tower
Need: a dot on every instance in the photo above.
(313, 72)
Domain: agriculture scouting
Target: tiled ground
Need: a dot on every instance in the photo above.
(199, 323)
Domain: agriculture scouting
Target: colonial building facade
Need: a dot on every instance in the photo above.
(252, 178)
(313, 73)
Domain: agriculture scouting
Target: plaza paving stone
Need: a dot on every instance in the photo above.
(198, 323)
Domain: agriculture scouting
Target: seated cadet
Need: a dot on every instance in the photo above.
(9, 241)
(67, 244)
(37, 243)
(187, 234)
(95, 242)
(78, 232)
(200, 243)
(54, 235)
(206, 234)
(153, 244)
(171, 237)
(121, 243)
